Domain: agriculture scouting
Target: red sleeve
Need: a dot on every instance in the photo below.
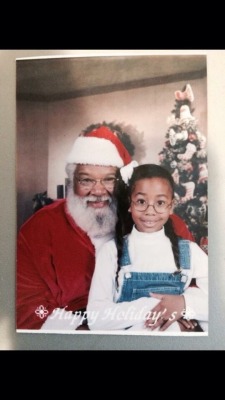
(181, 228)
(33, 291)
(55, 264)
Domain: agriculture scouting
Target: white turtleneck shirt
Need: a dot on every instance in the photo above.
(149, 252)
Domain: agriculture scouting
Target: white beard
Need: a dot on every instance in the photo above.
(96, 222)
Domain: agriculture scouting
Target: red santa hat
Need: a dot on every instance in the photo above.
(99, 147)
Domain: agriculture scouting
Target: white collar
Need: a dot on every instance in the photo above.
(149, 237)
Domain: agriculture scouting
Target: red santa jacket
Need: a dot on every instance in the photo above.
(55, 264)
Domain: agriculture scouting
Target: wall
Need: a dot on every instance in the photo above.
(32, 155)
(147, 109)
(46, 131)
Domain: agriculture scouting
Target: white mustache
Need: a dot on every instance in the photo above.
(96, 198)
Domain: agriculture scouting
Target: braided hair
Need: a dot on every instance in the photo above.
(125, 223)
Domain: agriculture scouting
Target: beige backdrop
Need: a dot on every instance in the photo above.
(46, 131)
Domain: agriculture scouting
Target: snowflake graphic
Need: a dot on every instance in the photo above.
(41, 311)
(188, 313)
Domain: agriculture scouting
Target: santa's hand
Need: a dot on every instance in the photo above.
(187, 325)
(168, 310)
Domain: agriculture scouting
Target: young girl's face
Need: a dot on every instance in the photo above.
(152, 191)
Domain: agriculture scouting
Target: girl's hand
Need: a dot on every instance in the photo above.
(170, 309)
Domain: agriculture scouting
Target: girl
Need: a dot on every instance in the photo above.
(142, 278)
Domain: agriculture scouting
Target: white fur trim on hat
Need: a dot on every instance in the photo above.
(94, 151)
(127, 171)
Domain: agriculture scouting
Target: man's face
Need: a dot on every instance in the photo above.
(96, 183)
(91, 202)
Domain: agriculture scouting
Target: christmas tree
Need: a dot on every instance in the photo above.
(185, 156)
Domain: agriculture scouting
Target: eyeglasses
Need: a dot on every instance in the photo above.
(160, 206)
(89, 183)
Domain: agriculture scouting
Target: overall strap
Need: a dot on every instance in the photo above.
(184, 254)
(125, 258)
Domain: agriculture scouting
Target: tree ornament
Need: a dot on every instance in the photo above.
(176, 176)
(190, 150)
(190, 187)
(203, 173)
(202, 140)
(173, 164)
(174, 136)
(185, 115)
(201, 154)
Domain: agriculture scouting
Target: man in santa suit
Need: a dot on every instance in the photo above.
(57, 245)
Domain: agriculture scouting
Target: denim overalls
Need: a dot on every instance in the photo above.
(140, 284)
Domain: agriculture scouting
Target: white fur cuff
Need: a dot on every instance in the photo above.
(94, 151)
